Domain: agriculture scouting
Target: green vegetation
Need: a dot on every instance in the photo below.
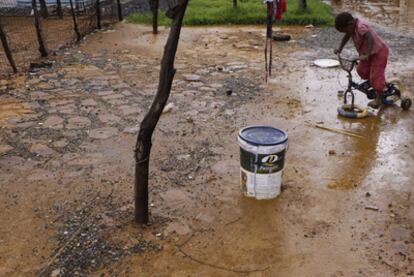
(209, 12)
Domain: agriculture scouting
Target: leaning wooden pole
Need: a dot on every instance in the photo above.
(98, 14)
(75, 23)
(6, 48)
(120, 17)
(59, 9)
(42, 48)
(43, 9)
(143, 145)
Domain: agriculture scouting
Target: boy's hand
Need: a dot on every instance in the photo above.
(363, 57)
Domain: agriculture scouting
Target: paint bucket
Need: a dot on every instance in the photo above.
(262, 158)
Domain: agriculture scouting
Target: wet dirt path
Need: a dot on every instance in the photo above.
(67, 165)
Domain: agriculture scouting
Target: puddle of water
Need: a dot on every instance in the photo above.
(393, 13)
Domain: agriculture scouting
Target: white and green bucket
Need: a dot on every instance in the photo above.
(262, 158)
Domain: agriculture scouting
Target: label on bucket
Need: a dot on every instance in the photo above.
(262, 163)
(261, 186)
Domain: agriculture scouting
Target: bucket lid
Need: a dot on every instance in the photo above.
(263, 135)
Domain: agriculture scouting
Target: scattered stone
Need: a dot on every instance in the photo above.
(103, 133)
(41, 150)
(4, 149)
(168, 108)
(128, 110)
(60, 143)
(191, 77)
(131, 130)
(174, 197)
(78, 122)
(367, 194)
(55, 273)
(178, 228)
(108, 118)
(372, 208)
(53, 122)
(89, 103)
(332, 152)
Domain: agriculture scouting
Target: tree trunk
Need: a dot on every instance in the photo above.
(75, 23)
(120, 17)
(59, 9)
(234, 3)
(98, 14)
(6, 48)
(143, 145)
(154, 8)
(42, 48)
(303, 5)
(43, 9)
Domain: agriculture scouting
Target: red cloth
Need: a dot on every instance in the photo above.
(374, 69)
(281, 9)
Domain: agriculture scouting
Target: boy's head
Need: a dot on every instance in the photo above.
(345, 22)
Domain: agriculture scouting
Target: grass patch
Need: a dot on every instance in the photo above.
(209, 12)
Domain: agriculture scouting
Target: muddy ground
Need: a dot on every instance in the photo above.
(67, 140)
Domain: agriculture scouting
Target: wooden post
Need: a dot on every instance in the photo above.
(59, 9)
(43, 9)
(120, 17)
(154, 7)
(98, 14)
(75, 23)
(42, 48)
(6, 48)
(143, 145)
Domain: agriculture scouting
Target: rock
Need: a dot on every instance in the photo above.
(372, 208)
(131, 130)
(108, 118)
(89, 103)
(129, 110)
(174, 197)
(53, 122)
(191, 77)
(178, 228)
(332, 152)
(103, 133)
(60, 143)
(4, 149)
(78, 122)
(41, 150)
(168, 108)
(205, 217)
(55, 273)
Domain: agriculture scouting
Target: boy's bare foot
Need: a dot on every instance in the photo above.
(375, 104)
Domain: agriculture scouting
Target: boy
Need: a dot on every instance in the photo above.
(373, 52)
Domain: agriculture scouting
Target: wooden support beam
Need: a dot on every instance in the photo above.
(98, 14)
(6, 48)
(59, 9)
(120, 17)
(75, 22)
(42, 48)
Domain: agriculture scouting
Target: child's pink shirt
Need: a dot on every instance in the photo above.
(358, 37)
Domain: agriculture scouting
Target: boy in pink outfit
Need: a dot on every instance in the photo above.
(373, 52)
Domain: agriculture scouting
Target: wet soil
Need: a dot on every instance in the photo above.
(67, 163)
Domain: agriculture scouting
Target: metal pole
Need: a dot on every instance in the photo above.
(59, 9)
(119, 10)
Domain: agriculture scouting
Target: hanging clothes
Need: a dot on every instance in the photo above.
(280, 9)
